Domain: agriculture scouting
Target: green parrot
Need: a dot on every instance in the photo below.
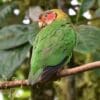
(53, 45)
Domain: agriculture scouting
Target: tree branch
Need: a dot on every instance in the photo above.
(62, 73)
(12, 84)
(79, 69)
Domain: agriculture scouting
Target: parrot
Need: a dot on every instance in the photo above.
(52, 46)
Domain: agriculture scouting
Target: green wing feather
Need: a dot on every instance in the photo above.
(51, 46)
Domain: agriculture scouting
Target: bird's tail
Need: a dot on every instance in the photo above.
(34, 78)
(43, 75)
(49, 73)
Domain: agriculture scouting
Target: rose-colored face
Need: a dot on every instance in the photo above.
(47, 18)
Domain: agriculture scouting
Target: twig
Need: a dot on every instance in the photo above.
(79, 69)
(62, 73)
(15, 83)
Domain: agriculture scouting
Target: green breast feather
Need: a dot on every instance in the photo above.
(52, 45)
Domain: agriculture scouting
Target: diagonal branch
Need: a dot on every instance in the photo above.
(62, 73)
(79, 69)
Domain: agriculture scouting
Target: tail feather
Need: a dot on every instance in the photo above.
(43, 75)
(34, 77)
(49, 73)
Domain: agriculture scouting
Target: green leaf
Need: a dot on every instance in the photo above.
(96, 55)
(5, 10)
(98, 3)
(7, 15)
(86, 5)
(88, 40)
(34, 29)
(97, 12)
(16, 35)
(1, 2)
(10, 60)
(88, 44)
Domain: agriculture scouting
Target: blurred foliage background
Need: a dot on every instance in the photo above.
(18, 28)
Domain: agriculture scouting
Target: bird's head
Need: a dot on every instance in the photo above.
(49, 16)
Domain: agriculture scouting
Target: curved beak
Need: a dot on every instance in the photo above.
(41, 24)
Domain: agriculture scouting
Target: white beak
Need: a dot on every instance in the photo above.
(40, 24)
